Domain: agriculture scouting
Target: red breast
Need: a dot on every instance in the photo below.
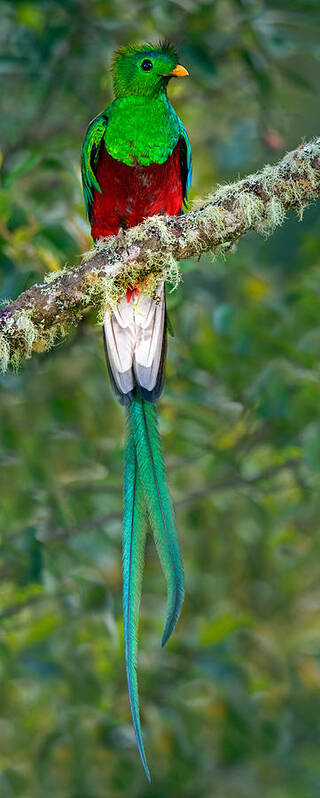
(131, 193)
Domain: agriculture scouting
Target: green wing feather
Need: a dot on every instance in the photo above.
(144, 426)
(187, 161)
(89, 157)
(133, 544)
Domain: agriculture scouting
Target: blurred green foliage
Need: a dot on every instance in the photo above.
(231, 707)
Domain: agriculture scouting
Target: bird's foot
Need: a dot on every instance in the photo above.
(132, 289)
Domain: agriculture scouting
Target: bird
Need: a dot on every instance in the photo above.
(136, 163)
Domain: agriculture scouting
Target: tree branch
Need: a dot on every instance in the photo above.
(151, 251)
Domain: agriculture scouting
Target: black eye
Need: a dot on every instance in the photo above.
(146, 65)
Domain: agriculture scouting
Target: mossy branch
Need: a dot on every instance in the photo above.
(150, 252)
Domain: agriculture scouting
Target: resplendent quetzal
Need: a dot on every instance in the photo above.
(136, 162)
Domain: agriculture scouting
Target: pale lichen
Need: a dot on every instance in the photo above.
(250, 209)
(261, 199)
(172, 273)
(213, 221)
(4, 354)
(52, 276)
(25, 325)
(274, 215)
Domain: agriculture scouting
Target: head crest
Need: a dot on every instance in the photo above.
(129, 78)
(163, 46)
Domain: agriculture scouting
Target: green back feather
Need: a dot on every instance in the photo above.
(133, 544)
(144, 424)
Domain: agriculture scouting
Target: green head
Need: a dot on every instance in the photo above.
(146, 70)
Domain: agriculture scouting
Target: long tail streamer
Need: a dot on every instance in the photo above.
(144, 424)
(146, 489)
(133, 544)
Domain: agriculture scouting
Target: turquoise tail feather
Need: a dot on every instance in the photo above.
(133, 544)
(144, 424)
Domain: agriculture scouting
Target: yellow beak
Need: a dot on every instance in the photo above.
(178, 72)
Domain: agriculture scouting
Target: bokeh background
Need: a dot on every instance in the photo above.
(231, 707)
